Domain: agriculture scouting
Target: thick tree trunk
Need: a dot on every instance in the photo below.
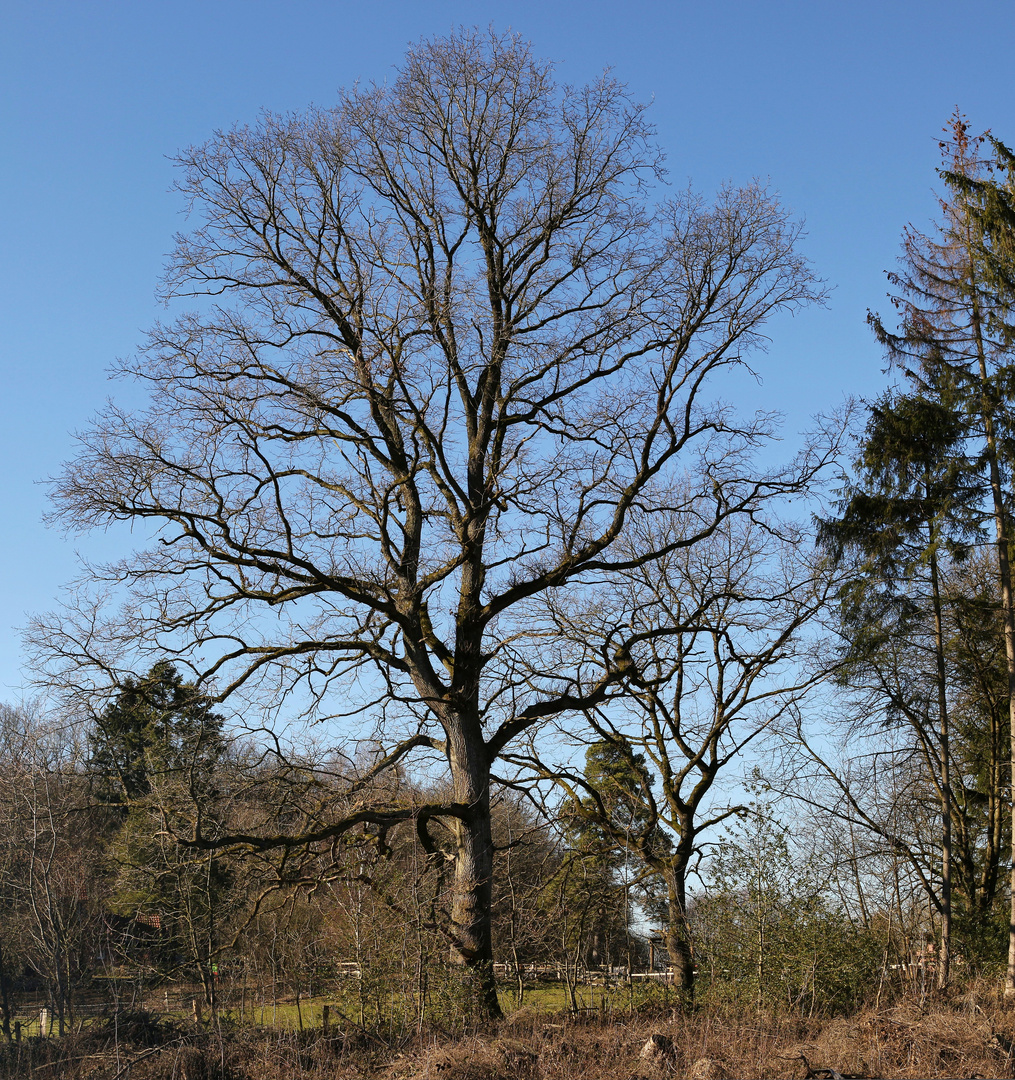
(678, 938)
(471, 927)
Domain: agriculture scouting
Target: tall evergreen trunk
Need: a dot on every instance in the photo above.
(984, 217)
(944, 955)
(1008, 615)
(1001, 534)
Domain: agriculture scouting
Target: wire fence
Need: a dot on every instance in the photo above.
(350, 995)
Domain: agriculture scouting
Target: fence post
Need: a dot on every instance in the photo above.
(326, 1017)
(17, 1032)
(197, 1010)
(44, 1025)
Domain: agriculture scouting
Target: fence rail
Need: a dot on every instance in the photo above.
(275, 1003)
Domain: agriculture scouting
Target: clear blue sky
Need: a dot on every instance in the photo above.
(838, 104)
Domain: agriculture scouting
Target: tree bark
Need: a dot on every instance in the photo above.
(678, 938)
(5, 1000)
(944, 955)
(1007, 601)
(471, 926)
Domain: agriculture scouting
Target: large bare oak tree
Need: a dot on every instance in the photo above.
(449, 345)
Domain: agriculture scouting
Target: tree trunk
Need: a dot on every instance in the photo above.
(1007, 602)
(945, 953)
(678, 938)
(471, 928)
(5, 1001)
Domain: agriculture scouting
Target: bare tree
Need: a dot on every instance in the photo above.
(13, 772)
(451, 350)
(870, 780)
(713, 644)
(51, 874)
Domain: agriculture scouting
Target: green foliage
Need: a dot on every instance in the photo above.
(614, 806)
(984, 189)
(155, 753)
(981, 939)
(588, 897)
(912, 503)
(768, 935)
(156, 726)
(922, 613)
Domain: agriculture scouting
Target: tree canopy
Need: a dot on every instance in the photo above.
(449, 347)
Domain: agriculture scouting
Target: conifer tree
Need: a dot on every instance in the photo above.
(155, 749)
(611, 802)
(908, 508)
(954, 306)
(156, 724)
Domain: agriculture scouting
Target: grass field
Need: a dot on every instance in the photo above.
(252, 1009)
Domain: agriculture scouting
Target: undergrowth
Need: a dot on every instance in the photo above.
(963, 1034)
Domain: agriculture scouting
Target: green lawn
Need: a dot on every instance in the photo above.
(344, 999)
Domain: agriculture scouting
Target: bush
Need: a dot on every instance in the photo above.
(768, 935)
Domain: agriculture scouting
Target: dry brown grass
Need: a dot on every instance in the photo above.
(967, 1035)
(945, 1038)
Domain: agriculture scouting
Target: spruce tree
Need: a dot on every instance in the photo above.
(908, 508)
(954, 301)
(155, 749)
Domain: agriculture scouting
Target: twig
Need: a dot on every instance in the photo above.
(148, 1053)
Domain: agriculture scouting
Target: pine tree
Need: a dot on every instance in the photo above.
(155, 750)
(613, 804)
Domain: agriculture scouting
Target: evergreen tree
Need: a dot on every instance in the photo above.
(591, 880)
(954, 301)
(156, 751)
(984, 207)
(155, 725)
(908, 508)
